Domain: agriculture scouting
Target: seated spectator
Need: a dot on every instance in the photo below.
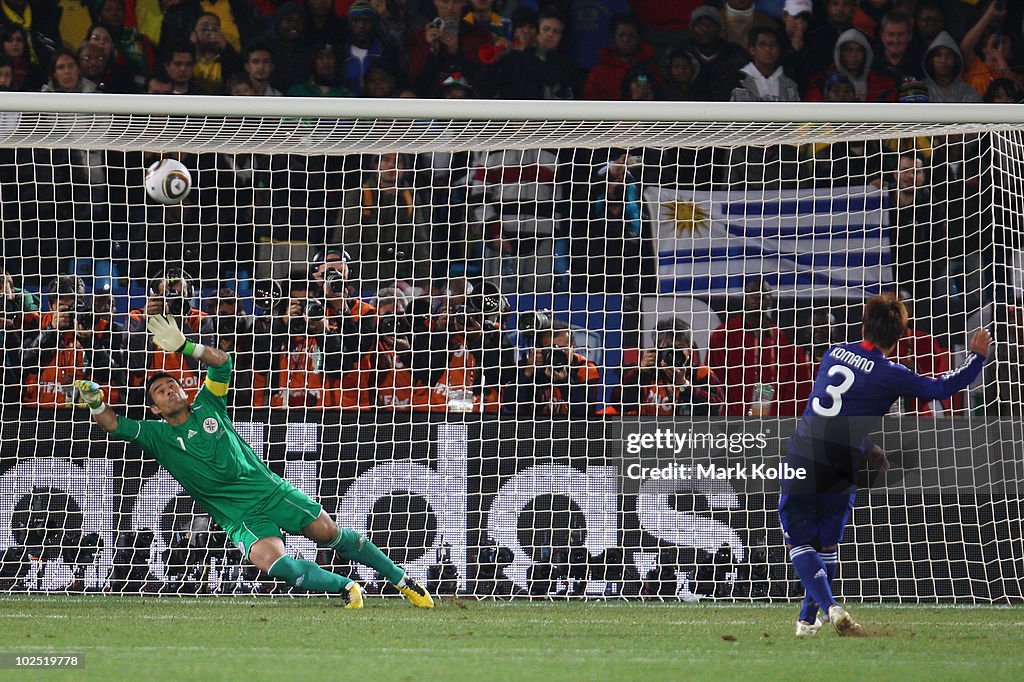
(41, 30)
(364, 47)
(482, 29)
(456, 86)
(159, 85)
(378, 82)
(291, 47)
(434, 49)
(27, 74)
(1003, 91)
(604, 82)
(929, 22)
(19, 324)
(998, 55)
(639, 85)
(258, 63)
(176, 19)
(917, 228)
(764, 79)
(135, 47)
(719, 60)
(539, 72)
(796, 17)
(763, 372)
(681, 74)
(99, 34)
(215, 58)
(944, 66)
(853, 58)
(553, 380)
(170, 293)
(324, 80)
(739, 18)
(325, 24)
(179, 64)
(525, 27)
(668, 381)
(822, 41)
(896, 59)
(66, 77)
(92, 62)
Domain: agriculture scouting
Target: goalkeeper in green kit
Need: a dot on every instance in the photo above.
(197, 443)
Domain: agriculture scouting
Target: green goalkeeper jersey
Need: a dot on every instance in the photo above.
(205, 454)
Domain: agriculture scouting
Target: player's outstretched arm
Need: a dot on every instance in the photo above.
(168, 337)
(957, 380)
(92, 395)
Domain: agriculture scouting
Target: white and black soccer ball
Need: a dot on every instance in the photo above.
(168, 181)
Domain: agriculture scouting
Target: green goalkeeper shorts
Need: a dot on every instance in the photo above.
(284, 512)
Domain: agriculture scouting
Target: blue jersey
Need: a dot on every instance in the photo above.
(856, 385)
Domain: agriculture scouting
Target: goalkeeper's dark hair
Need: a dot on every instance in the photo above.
(153, 378)
(885, 320)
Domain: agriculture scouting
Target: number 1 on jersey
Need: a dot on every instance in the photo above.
(181, 442)
(835, 392)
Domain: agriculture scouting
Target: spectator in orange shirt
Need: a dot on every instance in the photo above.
(998, 55)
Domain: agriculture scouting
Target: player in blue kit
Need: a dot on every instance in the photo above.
(856, 385)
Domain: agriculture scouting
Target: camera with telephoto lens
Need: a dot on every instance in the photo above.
(394, 325)
(556, 358)
(84, 315)
(227, 326)
(268, 296)
(334, 281)
(673, 358)
(177, 302)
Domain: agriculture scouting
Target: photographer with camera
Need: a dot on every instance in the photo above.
(172, 293)
(386, 379)
(668, 380)
(19, 328)
(553, 380)
(58, 356)
(235, 336)
(302, 361)
(476, 360)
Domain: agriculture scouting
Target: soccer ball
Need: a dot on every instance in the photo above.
(168, 181)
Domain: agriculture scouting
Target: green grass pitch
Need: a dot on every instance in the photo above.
(299, 639)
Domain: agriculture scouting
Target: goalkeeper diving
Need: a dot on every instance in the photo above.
(197, 443)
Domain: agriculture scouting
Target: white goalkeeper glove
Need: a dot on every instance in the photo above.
(90, 393)
(166, 334)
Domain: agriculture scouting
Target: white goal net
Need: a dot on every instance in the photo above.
(464, 334)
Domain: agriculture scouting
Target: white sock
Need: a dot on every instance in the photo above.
(401, 583)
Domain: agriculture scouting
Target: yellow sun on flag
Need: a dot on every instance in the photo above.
(689, 217)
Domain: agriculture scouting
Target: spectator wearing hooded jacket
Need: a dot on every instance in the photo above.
(605, 80)
(944, 68)
(681, 73)
(853, 59)
(763, 79)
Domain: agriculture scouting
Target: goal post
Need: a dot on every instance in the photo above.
(486, 235)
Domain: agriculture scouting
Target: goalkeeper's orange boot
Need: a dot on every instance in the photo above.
(353, 596)
(416, 594)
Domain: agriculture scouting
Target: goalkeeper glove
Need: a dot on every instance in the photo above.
(168, 337)
(90, 393)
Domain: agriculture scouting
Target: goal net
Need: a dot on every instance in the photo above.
(483, 336)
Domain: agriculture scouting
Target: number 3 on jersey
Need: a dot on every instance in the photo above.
(835, 392)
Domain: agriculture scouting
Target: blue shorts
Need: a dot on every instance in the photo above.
(817, 520)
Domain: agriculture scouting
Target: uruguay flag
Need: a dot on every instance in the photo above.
(808, 242)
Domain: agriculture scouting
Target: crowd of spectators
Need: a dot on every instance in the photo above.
(397, 318)
(746, 50)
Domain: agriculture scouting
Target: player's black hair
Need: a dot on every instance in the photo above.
(153, 378)
(885, 320)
